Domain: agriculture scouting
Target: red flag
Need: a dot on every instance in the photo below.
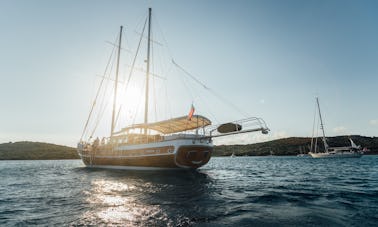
(191, 112)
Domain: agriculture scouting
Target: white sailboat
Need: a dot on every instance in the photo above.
(352, 151)
(180, 142)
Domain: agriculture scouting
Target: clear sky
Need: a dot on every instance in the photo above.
(270, 58)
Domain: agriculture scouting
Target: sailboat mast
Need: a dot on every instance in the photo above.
(116, 82)
(321, 125)
(148, 70)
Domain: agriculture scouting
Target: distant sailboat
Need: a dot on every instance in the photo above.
(302, 152)
(181, 142)
(352, 151)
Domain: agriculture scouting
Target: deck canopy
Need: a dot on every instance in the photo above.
(179, 124)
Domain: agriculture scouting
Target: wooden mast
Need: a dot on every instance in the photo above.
(116, 82)
(148, 70)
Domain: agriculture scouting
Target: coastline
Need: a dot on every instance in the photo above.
(26, 150)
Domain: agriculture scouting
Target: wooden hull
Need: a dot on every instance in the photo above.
(174, 155)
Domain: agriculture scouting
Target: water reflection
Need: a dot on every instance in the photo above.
(145, 197)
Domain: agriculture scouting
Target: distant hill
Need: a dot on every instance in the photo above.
(35, 150)
(293, 146)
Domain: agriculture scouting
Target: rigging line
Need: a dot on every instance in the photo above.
(193, 90)
(162, 34)
(317, 134)
(140, 20)
(168, 103)
(119, 110)
(116, 82)
(153, 78)
(211, 91)
(104, 104)
(135, 57)
(152, 41)
(205, 103)
(116, 45)
(132, 69)
(171, 55)
(191, 76)
(140, 102)
(101, 112)
(155, 100)
(187, 87)
(117, 116)
(99, 119)
(231, 104)
(313, 129)
(133, 64)
(102, 109)
(97, 94)
(126, 43)
(167, 111)
(162, 66)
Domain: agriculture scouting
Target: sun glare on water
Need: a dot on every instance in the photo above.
(117, 202)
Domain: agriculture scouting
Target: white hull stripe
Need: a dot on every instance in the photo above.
(124, 156)
(131, 167)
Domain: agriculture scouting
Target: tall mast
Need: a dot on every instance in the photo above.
(116, 82)
(148, 70)
(321, 125)
(313, 132)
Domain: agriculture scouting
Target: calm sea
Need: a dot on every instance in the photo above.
(241, 191)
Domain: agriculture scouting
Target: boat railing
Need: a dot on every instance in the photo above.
(237, 127)
(246, 125)
(136, 139)
(141, 138)
(191, 136)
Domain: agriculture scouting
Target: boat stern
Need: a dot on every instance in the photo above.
(193, 156)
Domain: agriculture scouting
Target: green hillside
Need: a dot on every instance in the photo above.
(34, 150)
(293, 146)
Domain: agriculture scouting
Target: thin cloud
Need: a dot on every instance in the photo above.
(340, 129)
(373, 122)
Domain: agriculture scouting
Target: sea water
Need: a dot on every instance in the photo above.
(241, 191)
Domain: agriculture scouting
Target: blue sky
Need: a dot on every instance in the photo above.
(270, 58)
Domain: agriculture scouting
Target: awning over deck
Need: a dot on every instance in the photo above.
(173, 125)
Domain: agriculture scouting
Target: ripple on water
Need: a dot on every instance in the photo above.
(247, 191)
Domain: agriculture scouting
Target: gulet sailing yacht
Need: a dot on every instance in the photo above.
(184, 142)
